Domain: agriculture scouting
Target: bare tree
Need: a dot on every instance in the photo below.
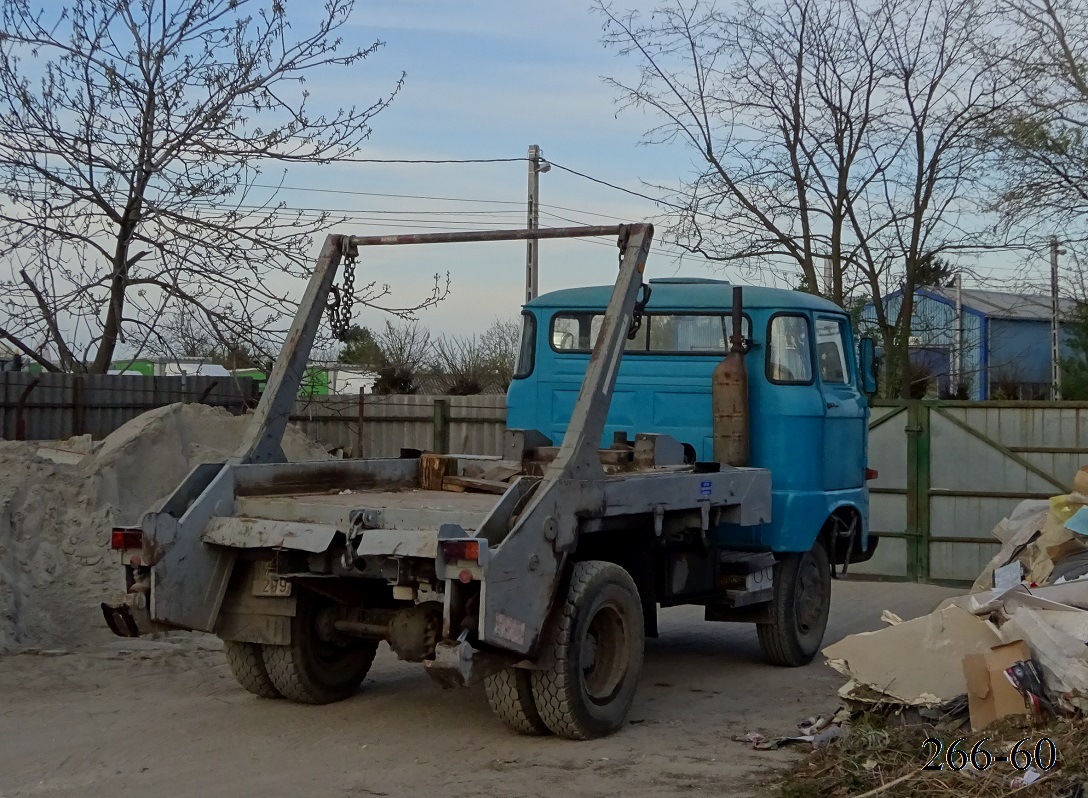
(1043, 141)
(405, 354)
(135, 139)
(463, 364)
(501, 341)
(184, 334)
(1044, 137)
(837, 137)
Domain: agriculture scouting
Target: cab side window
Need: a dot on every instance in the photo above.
(789, 350)
(526, 358)
(831, 351)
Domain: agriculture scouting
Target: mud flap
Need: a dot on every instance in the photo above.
(458, 664)
(119, 619)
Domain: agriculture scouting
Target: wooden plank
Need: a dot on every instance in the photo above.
(616, 457)
(474, 484)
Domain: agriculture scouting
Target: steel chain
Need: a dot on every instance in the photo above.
(347, 298)
(342, 299)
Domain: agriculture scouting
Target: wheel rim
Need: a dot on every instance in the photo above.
(809, 597)
(602, 654)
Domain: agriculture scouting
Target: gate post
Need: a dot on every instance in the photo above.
(918, 486)
(441, 426)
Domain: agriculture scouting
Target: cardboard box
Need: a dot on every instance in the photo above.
(990, 695)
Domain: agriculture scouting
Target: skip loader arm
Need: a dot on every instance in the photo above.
(189, 578)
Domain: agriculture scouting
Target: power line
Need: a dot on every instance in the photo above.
(585, 212)
(618, 188)
(380, 194)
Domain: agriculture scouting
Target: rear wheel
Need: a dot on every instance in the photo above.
(247, 664)
(318, 666)
(510, 694)
(801, 603)
(595, 638)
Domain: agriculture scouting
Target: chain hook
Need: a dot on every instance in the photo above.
(644, 289)
(640, 308)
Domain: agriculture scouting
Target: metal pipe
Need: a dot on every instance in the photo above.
(736, 340)
(493, 235)
(362, 629)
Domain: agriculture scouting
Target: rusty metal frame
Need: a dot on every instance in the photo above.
(467, 236)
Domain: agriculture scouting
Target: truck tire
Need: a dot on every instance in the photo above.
(510, 694)
(247, 664)
(316, 668)
(802, 600)
(595, 639)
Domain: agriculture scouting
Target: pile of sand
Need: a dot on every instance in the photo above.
(55, 562)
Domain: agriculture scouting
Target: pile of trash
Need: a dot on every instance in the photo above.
(58, 501)
(1016, 644)
(985, 696)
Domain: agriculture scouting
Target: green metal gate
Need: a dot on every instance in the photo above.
(949, 471)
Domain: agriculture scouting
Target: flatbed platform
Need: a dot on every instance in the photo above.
(413, 508)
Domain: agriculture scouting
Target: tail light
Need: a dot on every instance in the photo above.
(126, 537)
(871, 473)
(461, 550)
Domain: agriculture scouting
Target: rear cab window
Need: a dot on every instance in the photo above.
(789, 349)
(660, 333)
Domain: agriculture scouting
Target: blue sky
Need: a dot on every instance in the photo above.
(486, 79)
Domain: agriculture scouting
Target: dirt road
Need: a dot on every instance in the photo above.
(144, 718)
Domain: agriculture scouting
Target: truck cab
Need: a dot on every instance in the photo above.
(807, 408)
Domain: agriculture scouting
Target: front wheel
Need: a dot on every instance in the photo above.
(318, 666)
(594, 640)
(799, 609)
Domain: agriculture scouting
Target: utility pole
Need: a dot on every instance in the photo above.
(1055, 333)
(957, 367)
(532, 245)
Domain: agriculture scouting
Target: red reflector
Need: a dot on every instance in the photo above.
(461, 550)
(126, 537)
(871, 473)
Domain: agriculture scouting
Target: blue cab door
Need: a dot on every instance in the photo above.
(845, 406)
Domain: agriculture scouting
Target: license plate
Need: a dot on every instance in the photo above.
(266, 583)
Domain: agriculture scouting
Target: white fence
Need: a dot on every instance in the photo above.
(380, 426)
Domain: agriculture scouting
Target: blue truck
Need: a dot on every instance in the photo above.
(671, 441)
(808, 420)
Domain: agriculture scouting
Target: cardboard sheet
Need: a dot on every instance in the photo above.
(917, 662)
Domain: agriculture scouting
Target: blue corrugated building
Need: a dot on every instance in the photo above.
(1005, 338)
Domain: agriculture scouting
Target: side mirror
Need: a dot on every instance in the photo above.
(867, 362)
